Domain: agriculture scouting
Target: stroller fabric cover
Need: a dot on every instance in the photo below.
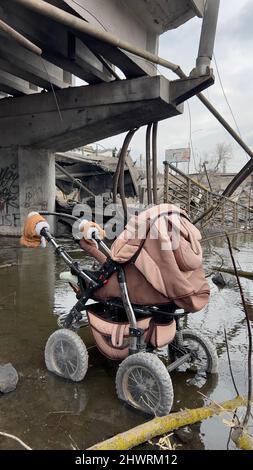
(165, 248)
(112, 338)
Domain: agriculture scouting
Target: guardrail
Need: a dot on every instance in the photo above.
(197, 200)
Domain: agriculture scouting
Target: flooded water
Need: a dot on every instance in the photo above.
(48, 412)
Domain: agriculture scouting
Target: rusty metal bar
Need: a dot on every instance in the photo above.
(78, 183)
(189, 195)
(121, 176)
(121, 163)
(148, 164)
(154, 161)
(166, 184)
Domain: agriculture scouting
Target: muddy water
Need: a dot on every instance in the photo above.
(50, 413)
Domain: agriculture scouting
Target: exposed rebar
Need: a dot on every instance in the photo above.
(78, 183)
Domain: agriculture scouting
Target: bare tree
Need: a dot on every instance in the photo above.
(222, 155)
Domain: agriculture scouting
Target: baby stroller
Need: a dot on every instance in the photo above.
(140, 293)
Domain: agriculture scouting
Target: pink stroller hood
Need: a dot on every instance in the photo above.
(165, 247)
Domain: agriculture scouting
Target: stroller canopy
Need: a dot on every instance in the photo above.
(165, 248)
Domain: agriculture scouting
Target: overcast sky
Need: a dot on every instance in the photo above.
(233, 51)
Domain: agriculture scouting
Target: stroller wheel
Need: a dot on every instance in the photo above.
(203, 353)
(66, 355)
(143, 382)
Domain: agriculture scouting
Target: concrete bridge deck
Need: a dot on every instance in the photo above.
(66, 53)
(35, 121)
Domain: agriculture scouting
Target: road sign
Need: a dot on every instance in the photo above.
(178, 155)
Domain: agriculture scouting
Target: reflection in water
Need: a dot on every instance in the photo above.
(49, 412)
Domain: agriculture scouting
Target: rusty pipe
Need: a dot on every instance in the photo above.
(119, 176)
(122, 156)
(148, 164)
(154, 161)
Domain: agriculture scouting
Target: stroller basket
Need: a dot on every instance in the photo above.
(112, 334)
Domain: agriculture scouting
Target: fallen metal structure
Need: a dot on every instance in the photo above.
(206, 208)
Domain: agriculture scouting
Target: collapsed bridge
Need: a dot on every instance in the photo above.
(45, 47)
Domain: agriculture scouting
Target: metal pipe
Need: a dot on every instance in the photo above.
(128, 308)
(59, 214)
(245, 172)
(148, 164)
(81, 26)
(116, 180)
(122, 171)
(207, 38)
(81, 185)
(63, 254)
(12, 33)
(154, 161)
(224, 123)
(104, 248)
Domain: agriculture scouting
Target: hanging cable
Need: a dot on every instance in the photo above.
(226, 98)
(190, 136)
(53, 90)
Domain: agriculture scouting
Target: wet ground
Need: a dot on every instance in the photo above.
(50, 413)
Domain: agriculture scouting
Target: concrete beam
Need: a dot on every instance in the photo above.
(56, 43)
(87, 113)
(140, 21)
(26, 65)
(15, 86)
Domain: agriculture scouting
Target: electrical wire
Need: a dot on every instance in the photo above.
(53, 90)
(190, 136)
(91, 14)
(227, 101)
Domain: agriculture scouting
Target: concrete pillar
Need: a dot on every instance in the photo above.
(27, 183)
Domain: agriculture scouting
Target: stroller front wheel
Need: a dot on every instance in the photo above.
(143, 382)
(66, 355)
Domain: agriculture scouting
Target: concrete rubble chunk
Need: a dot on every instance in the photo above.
(8, 378)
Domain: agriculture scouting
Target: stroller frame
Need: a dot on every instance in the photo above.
(179, 353)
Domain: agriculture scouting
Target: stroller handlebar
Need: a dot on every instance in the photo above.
(94, 236)
(104, 247)
(68, 260)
